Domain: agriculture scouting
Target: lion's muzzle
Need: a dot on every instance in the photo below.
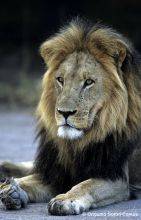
(65, 129)
(66, 114)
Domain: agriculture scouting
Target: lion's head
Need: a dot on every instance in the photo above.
(91, 88)
(79, 94)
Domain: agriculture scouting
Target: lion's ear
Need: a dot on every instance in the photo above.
(126, 54)
(47, 51)
(43, 51)
(53, 51)
(104, 41)
(121, 52)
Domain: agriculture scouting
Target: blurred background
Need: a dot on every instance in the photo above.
(24, 25)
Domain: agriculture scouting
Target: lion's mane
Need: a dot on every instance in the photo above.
(104, 151)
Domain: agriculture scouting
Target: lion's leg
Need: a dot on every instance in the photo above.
(89, 194)
(15, 194)
(10, 169)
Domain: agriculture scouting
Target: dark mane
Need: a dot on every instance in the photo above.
(102, 160)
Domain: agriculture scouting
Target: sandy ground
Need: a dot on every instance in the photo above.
(17, 132)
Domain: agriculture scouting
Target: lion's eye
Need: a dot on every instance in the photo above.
(88, 82)
(60, 80)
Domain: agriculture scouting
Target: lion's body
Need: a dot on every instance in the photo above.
(89, 119)
(101, 160)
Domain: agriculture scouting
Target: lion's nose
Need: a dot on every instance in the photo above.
(66, 114)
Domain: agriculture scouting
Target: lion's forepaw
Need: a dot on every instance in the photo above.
(12, 196)
(66, 205)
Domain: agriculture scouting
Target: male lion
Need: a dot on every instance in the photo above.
(89, 119)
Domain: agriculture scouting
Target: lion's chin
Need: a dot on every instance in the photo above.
(70, 133)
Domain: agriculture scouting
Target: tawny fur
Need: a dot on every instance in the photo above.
(121, 114)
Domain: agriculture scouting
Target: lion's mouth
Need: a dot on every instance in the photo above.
(67, 131)
(67, 125)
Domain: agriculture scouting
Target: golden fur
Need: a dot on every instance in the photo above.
(121, 113)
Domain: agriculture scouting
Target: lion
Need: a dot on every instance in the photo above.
(89, 123)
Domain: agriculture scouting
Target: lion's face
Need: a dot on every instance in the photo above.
(89, 90)
(79, 88)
